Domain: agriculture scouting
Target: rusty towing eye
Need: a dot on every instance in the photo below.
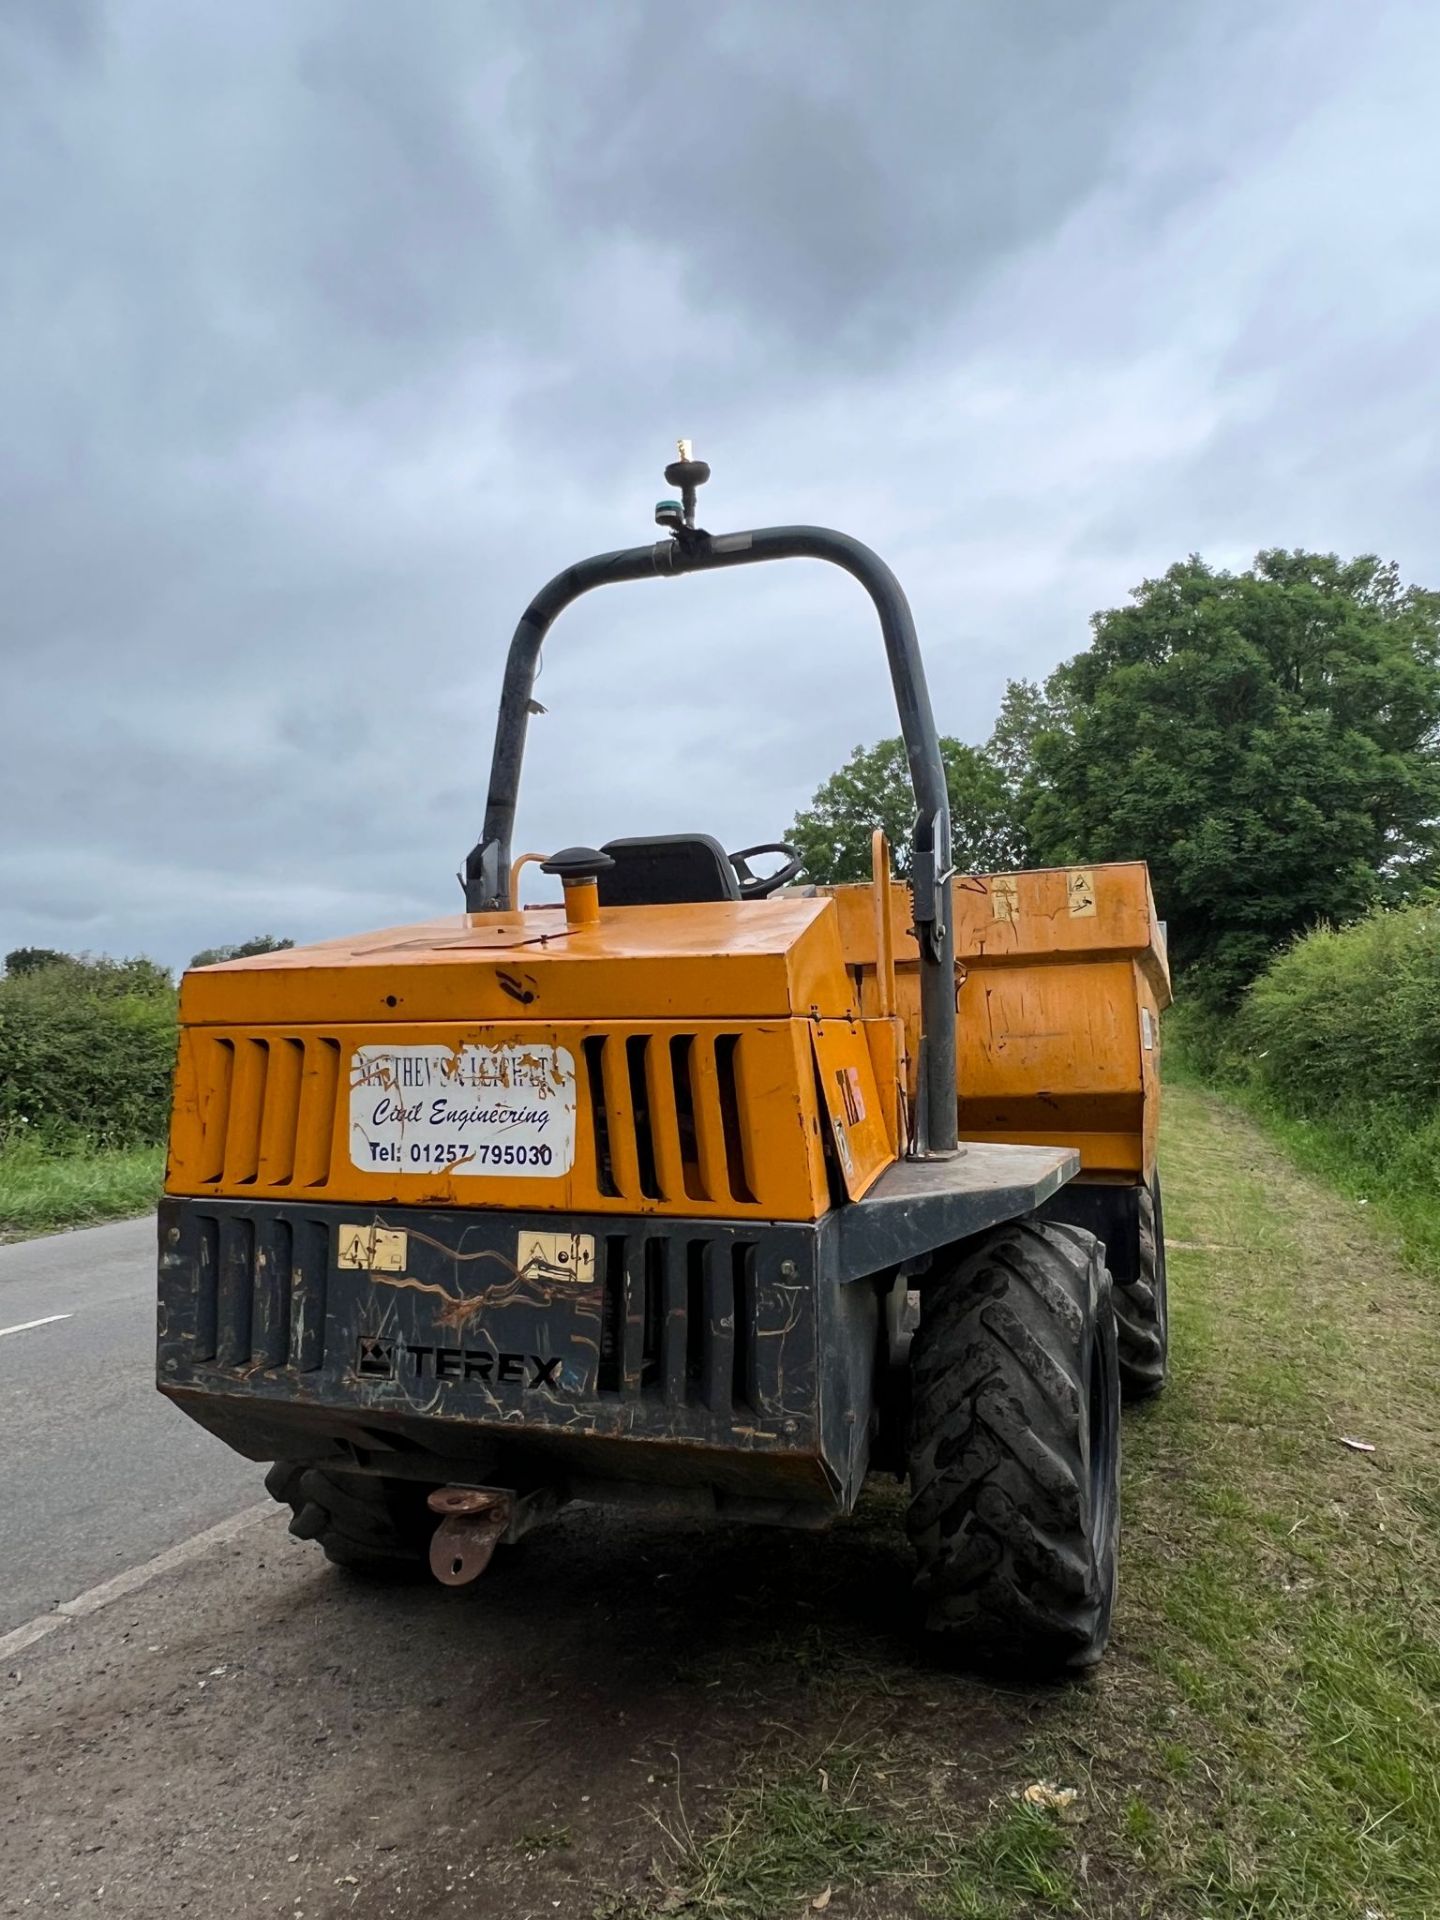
(473, 1522)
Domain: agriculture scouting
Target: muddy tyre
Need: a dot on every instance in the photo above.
(364, 1523)
(1142, 1311)
(1015, 1451)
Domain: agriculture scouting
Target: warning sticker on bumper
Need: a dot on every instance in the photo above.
(502, 1110)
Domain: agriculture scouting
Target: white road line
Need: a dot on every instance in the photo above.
(94, 1598)
(25, 1325)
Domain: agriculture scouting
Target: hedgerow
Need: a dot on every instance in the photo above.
(87, 1050)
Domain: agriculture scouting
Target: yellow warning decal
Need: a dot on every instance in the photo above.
(556, 1256)
(1080, 889)
(373, 1249)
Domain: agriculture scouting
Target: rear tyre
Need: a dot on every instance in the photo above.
(1142, 1309)
(1015, 1451)
(365, 1523)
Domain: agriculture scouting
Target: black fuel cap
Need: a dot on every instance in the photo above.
(578, 863)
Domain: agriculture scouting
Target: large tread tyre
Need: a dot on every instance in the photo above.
(1142, 1308)
(364, 1523)
(1015, 1452)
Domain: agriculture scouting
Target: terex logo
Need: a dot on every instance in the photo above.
(379, 1359)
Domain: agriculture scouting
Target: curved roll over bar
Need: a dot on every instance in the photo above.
(691, 550)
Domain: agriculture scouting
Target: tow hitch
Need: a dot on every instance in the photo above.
(472, 1524)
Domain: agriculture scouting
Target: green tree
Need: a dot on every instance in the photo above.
(1267, 741)
(873, 789)
(1026, 711)
(258, 943)
(22, 960)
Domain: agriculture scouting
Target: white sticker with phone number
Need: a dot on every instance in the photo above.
(469, 1110)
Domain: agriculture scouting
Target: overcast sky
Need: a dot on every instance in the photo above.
(332, 330)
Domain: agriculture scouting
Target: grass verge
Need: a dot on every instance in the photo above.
(1377, 1152)
(1264, 1738)
(1373, 1155)
(42, 1190)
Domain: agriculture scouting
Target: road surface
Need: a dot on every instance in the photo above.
(101, 1474)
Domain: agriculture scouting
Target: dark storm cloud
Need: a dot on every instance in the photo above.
(842, 175)
(330, 332)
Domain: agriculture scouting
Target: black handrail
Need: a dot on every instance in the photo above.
(487, 869)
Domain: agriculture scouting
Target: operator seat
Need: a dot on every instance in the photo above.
(668, 869)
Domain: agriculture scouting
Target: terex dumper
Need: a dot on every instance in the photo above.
(659, 1197)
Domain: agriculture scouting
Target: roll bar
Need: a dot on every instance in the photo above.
(690, 550)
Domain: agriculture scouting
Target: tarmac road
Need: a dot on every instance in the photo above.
(100, 1474)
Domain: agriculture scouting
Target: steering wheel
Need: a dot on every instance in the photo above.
(753, 888)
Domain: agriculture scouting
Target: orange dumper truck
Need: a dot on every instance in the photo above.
(700, 1191)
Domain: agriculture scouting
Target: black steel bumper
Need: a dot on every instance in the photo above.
(681, 1351)
(528, 1350)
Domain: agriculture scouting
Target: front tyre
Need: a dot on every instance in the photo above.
(1015, 1450)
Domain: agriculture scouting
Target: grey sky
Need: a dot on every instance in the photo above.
(331, 331)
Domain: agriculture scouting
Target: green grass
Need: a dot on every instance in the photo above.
(1264, 1738)
(1286, 1587)
(1382, 1154)
(791, 1837)
(1374, 1156)
(42, 1189)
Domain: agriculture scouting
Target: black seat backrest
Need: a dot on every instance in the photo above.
(668, 870)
